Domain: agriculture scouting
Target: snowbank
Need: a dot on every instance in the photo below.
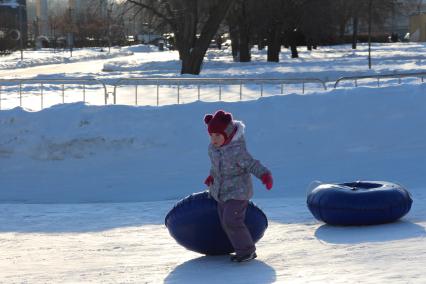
(81, 153)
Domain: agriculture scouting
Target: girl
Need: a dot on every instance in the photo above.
(230, 182)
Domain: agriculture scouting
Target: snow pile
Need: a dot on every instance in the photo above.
(141, 48)
(147, 60)
(59, 138)
(80, 153)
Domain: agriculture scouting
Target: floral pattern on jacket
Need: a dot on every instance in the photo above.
(231, 166)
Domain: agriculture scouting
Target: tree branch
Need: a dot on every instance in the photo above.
(157, 13)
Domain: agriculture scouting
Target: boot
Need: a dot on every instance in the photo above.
(243, 258)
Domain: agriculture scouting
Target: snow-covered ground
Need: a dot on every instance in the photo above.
(327, 63)
(84, 189)
(32, 58)
(128, 243)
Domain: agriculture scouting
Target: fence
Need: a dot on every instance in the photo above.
(177, 83)
(5, 86)
(203, 82)
(398, 76)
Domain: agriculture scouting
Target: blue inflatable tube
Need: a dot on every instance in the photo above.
(194, 223)
(359, 203)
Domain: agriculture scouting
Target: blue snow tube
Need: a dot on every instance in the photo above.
(359, 203)
(194, 223)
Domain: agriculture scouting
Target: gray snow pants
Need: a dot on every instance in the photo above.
(232, 214)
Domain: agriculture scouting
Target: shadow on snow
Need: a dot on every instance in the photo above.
(376, 233)
(214, 269)
(80, 218)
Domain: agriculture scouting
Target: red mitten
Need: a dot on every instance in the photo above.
(267, 180)
(209, 181)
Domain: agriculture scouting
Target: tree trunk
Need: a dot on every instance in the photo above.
(309, 44)
(245, 54)
(274, 43)
(243, 28)
(179, 49)
(235, 42)
(294, 53)
(193, 57)
(261, 39)
(191, 63)
(186, 31)
(260, 44)
(355, 32)
(342, 28)
(294, 39)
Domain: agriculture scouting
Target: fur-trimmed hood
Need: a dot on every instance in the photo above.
(240, 131)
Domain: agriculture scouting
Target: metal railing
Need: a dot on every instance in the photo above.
(219, 82)
(398, 76)
(180, 82)
(43, 82)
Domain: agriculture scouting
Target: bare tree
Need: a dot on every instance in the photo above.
(192, 35)
(246, 22)
(276, 13)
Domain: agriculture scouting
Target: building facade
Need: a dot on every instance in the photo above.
(13, 19)
(42, 19)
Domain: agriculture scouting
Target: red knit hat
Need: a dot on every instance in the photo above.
(221, 122)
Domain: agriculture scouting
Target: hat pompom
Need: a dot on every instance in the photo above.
(223, 116)
(208, 118)
(227, 118)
